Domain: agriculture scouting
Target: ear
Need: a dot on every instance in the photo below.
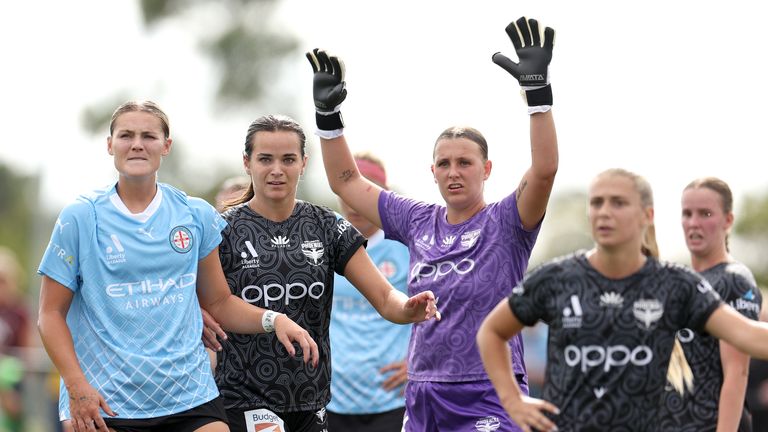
(304, 164)
(728, 221)
(167, 146)
(109, 146)
(246, 165)
(487, 168)
(432, 168)
(649, 213)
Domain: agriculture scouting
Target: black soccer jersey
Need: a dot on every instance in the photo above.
(610, 339)
(287, 267)
(698, 410)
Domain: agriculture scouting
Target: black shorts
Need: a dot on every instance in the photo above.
(246, 420)
(388, 421)
(186, 421)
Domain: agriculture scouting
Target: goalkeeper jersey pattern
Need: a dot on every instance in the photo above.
(610, 339)
(470, 267)
(698, 410)
(287, 267)
(135, 318)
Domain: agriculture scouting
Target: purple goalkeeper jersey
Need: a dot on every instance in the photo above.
(470, 267)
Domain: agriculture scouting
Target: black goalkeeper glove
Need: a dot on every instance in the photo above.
(532, 70)
(328, 89)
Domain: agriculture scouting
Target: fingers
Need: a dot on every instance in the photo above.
(533, 25)
(514, 35)
(338, 67)
(549, 38)
(209, 339)
(506, 64)
(525, 31)
(105, 406)
(312, 57)
(286, 341)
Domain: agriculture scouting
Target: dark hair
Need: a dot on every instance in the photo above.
(719, 187)
(469, 133)
(268, 123)
(649, 246)
(142, 106)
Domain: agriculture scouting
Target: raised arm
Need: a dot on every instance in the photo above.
(534, 52)
(84, 400)
(329, 91)
(237, 316)
(391, 304)
(492, 337)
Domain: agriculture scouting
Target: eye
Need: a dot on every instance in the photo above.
(442, 164)
(263, 159)
(289, 161)
(465, 163)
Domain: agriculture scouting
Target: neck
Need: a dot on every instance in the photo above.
(276, 211)
(458, 215)
(707, 261)
(136, 195)
(616, 263)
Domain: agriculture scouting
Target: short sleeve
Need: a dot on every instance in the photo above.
(62, 257)
(393, 211)
(512, 223)
(530, 298)
(211, 223)
(703, 301)
(347, 241)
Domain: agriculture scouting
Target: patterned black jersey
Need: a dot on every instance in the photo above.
(697, 410)
(610, 339)
(287, 267)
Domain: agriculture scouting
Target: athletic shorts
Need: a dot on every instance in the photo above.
(187, 421)
(258, 419)
(455, 406)
(388, 421)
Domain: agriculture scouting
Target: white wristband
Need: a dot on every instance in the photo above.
(268, 320)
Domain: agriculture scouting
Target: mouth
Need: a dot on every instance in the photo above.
(455, 186)
(275, 183)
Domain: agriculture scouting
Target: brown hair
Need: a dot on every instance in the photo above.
(142, 106)
(469, 133)
(719, 187)
(267, 123)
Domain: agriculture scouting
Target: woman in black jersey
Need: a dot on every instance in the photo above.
(719, 371)
(613, 313)
(281, 254)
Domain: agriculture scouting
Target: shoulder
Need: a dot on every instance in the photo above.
(567, 266)
(740, 274)
(317, 211)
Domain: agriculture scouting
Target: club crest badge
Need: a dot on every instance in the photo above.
(181, 239)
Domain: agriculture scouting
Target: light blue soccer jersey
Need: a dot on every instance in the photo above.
(362, 342)
(135, 317)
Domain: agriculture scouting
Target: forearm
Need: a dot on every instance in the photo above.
(495, 354)
(58, 343)
(237, 316)
(340, 167)
(731, 403)
(544, 153)
(393, 309)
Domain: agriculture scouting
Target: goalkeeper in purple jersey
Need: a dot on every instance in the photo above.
(613, 314)
(470, 253)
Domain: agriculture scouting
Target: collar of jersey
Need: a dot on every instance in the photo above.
(142, 216)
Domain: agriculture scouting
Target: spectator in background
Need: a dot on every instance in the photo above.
(231, 189)
(15, 334)
(369, 367)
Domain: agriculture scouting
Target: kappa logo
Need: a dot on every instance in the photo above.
(425, 242)
(116, 255)
(611, 299)
(448, 240)
(572, 314)
(181, 239)
(648, 312)
(280, 241)
(314, 251)
(251, 261)
(468, 239)
(487, 424)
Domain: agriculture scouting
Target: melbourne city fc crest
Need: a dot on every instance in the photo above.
(181, 239)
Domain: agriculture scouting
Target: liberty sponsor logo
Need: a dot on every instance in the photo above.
(572, 313)
(685, 335)
(468, 239)
(647, 312)
(151, 292)
(314, 251)
(425, 242)
(263, 420)
(274, 292)
(252, 260)
(599, 392)
(342, 226)
(606, 357)
(611, 299)
(388, 269)
(487, 424)
(435, 271)
(61, 225)
(181, 239)
(60, 253)
(116, 255)
(280, 241)
(746, 303)
(448, 241)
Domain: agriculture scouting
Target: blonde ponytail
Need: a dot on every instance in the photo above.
(679, 373)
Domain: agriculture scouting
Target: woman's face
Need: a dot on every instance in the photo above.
(705, 224)
(138, 145)
(275, 165)
(616, 213)
(460, 171)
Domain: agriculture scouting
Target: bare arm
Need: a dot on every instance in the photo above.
(747, 336)
(345, 180)
(237, 316)
(84, 400)
(391, 304)
(735, 374)
(492, 337)
(536, 185)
